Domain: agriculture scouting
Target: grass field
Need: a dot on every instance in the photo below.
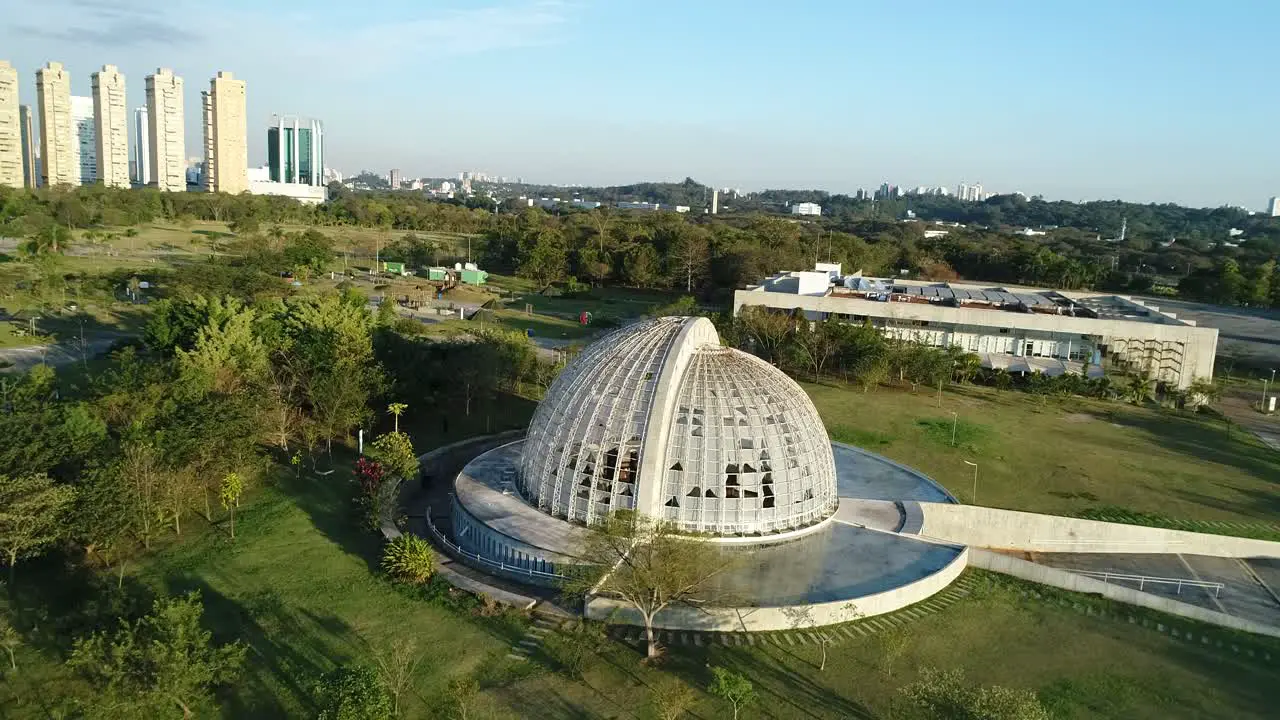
(299, 587)
(1064, 456)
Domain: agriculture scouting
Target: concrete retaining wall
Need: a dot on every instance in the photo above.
(1068, 580)
(772, 619)
(1031, 532)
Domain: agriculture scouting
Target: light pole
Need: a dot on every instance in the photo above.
(1263, 407)
(955, 419)
(975, 480)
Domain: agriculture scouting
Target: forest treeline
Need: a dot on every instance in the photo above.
(712, 255)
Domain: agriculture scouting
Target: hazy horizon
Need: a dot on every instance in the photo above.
(1145, 102)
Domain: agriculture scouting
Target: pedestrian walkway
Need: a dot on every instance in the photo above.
(532, 640)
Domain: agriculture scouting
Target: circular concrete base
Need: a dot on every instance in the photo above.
(837, 571)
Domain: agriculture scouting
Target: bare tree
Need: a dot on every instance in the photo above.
(802, 618)
(397, 663)
(768, 330)
(818, 345)
(647, 565)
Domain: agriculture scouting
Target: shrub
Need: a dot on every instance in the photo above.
(352, 693)
(394, 452)
(408, 558)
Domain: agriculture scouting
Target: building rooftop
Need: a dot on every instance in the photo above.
(968, 295)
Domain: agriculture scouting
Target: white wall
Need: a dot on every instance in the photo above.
(772, 619)
(1013, 530)
(1200, 342)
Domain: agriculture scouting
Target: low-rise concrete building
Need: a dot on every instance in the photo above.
(1012, 328)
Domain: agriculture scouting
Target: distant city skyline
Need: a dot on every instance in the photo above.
(1143, 101)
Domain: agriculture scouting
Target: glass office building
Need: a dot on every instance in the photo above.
(295, 150)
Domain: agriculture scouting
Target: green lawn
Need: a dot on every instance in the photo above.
(1063, 456)
(300, 586)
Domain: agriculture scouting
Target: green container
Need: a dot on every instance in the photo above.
(393, 267)
(474, 277)
(437, 273)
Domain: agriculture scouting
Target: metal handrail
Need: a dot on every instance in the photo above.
(440, 537)
(1142, 580)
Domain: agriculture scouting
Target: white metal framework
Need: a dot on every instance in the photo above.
(729, 445)
(581, 456)
(748, 454)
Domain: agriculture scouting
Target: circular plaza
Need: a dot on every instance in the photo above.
(660, 419)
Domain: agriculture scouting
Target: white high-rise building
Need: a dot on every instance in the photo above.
(10, 128)
(1273, 208)
(141, 147)
(30, 175)
(84, 143)
(971, 193)
(166, 136)
(59, 161)
(111, 127)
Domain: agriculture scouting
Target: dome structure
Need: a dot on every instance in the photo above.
(658, 417)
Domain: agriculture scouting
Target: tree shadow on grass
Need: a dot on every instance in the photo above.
(289, 649)
(330, 502)
(1209, 441)
(776, 679)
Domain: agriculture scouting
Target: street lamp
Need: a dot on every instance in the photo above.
(975, 480)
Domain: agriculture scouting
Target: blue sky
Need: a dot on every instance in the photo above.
(1151, 101)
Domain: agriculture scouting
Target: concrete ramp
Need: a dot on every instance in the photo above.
(884, 515)
(998, 529)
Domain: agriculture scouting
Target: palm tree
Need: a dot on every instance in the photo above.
(395, 409)
(1140, 388)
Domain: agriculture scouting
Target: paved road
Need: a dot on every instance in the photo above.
(55, 354)
(1245, 333)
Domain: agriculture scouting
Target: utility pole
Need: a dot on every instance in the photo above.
(955, 419)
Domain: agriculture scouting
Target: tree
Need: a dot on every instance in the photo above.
(10, 640)
(408, 558)
(802, 618)
(33, 510)
(352, 692)
(462, 694)
(143, 484)
(733, 688)
(542, 253)
(640, 266)
(246, 225)
(229, 493)
(944, 694)
(646, 564)
(397, 664)
(669, 698)
(395, 409)
(162, 661)
(687, 257)
(815, 347)
(105, 517)
(48, 240)
(767, 330)
(394, 452)
(893, 643)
